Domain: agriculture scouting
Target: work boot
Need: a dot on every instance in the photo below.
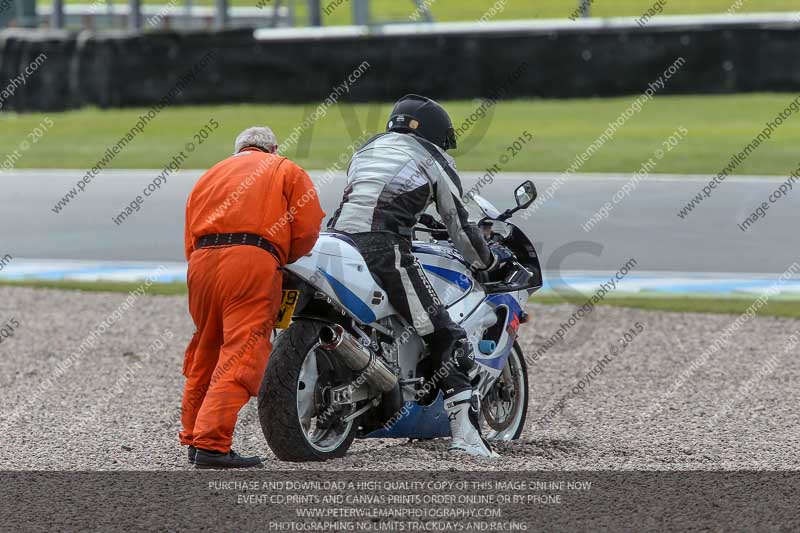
(212, 459)
(463, 410)
(192, 453)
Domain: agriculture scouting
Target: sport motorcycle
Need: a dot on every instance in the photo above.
(346, 365)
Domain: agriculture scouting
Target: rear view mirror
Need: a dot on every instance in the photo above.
(525, 194)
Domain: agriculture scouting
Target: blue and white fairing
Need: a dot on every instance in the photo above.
(335, 267)
(507, 307)
(468, 304)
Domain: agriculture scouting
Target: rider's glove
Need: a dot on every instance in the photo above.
(501, 254)
(427, 220)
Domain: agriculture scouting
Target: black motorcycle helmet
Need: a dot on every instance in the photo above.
(424, 117)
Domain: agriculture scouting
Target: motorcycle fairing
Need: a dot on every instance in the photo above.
(446, 271)
(418, 422)
(497, 359)
(437, 249)
(458, 279)
(335, 267)
(350, 300)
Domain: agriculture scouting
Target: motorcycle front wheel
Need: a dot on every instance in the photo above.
(505, 406)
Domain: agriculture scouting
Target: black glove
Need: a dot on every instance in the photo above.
(427, 220)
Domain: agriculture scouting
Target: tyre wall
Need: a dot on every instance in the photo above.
(122, 69)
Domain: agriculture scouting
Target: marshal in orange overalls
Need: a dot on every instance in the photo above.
(235, 291)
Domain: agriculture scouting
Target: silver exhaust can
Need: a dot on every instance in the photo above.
(357, 357)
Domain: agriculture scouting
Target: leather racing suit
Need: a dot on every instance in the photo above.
(391, 182)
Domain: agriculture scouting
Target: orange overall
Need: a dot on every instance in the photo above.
(235, 291)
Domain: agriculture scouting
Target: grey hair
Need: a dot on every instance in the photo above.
(258, 136)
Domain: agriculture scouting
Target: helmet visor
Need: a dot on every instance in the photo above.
(450, 141)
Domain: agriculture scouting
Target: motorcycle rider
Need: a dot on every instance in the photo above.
(391, 181)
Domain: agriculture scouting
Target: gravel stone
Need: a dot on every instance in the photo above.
(68, 424)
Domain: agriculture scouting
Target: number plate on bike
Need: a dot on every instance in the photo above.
(288, 303)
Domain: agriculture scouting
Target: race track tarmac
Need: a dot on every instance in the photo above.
(643, 225)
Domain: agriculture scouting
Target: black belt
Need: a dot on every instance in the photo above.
(237, 239)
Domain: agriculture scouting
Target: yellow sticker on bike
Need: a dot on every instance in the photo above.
(288, 304)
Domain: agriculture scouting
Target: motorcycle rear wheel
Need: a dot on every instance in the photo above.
(294, 417)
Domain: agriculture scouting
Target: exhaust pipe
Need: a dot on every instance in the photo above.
(357, 357)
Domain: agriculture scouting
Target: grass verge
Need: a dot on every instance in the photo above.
(679, 304)
(718, 127)
(471, 10)
(340, 11)
(158, 289)
(734, 305)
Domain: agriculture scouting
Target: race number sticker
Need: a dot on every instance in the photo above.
(286, 311)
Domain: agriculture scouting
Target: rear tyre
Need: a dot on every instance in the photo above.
(295, 419)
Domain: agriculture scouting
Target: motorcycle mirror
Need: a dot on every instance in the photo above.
(525, 194)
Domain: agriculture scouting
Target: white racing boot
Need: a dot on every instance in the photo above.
(463, 410)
